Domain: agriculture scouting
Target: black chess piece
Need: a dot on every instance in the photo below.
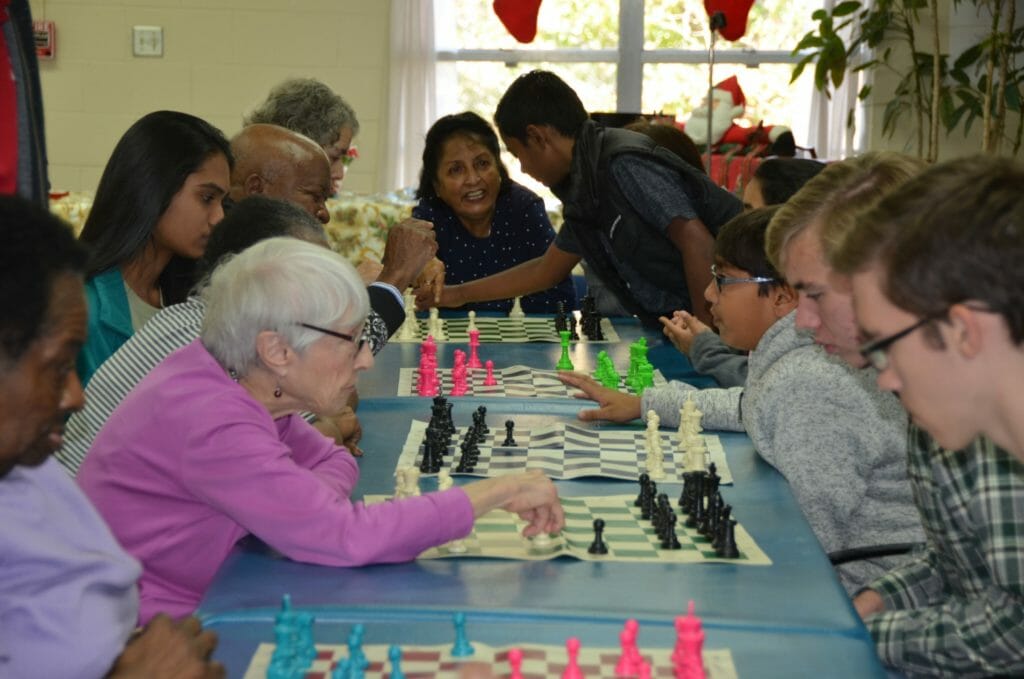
(669, 539)
(484, 429)
(729, 549)
(645, 479)
(723, 521)
(684, 496)
(647, 505)
(696, 515)
(598, 546)
(595, 327)
(509, 440)
(561, 318)
(571, 322)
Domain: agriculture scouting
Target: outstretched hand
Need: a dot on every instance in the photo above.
(166, 649)
(614, 406)
(682, 328)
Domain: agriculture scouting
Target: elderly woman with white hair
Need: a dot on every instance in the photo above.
(209, 447)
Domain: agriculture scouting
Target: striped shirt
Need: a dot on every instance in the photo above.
(169, 330)
(959, 608)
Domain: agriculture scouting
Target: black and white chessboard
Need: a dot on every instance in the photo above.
(566, 451)
(539, 661)
(498, 534)
(515, 381)
(496, 329)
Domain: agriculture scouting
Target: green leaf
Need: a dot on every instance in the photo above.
(1012, 95)
(969, 56)
(864, 93)
(845, 8)
(819, 15)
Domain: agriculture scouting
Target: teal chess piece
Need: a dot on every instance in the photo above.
(462, 647)
(564, 363)
(395, 657)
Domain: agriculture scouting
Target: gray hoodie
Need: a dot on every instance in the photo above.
(839, 441)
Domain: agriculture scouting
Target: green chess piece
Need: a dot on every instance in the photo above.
(564, 363)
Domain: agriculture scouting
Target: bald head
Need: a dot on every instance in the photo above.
(278, 163)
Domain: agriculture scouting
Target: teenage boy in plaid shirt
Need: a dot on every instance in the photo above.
(938, 285)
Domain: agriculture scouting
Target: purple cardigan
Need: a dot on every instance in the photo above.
(190, 463)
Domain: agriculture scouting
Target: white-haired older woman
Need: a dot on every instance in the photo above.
(209, 448)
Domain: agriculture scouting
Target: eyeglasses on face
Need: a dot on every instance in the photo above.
(721, 280)
(360, 342)
(876, 352)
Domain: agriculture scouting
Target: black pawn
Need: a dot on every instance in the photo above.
(509, 440)
(723, 521)
(670, 540)
(729, 550)
(598, 546)
(561, 318)
(684, 497)
(483, 428)
(644, 480)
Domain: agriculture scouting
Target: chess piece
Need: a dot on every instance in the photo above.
(644, 482)
(564, 363)
(509, 441)
(687, 654)
(572, 668)
(598, 546)
(541, 541)
(627, 663)
(459, 387)
(395, 658)
(482, 412)
(517, 309)
(412, 482)
(471, 326)
(410, 328)
(461, 648)
(515, 663)
(474, 347)
(444, 480)
(729, 549)
(489, 380)
(561, 319)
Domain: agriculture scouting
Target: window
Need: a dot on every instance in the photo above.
(626, 55)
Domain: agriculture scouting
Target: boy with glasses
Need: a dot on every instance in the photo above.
(808, 415)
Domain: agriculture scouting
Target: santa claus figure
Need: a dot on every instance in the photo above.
(727, 104)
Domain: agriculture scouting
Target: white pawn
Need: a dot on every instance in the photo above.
(541, 540)
(457, 546)
(412, 482)
(400, 483)
(444, 480)
(517, 310)
(472, 322)
(436, 325)
(410, 329)
(695, 457)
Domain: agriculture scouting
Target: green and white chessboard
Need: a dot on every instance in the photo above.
(539, 661)
(514, 381)
(566, 451)
(498, 534)
(503, 329)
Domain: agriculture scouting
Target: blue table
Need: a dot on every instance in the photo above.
(798, 592)
(381, 381)
(756, 652)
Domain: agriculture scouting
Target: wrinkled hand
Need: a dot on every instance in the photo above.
(169, 650)
(868, 603)
(350, 431)
(682, 328)
(614, 405)
(535, 500)
(446, 296)
(369, 270)
(411, 244)
(430, 282)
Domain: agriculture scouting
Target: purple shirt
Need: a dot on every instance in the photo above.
(190, 463)
(68, 600)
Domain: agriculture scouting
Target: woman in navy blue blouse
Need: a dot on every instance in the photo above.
(484, 221)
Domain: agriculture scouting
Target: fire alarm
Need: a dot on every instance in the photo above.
(46, 39)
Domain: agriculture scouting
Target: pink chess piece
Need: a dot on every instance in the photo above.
(459, 374)
(687, 655)
(515, 663)
(474, 346)
(628, 664)
(489, 381)
(427, 382)
(572, 669)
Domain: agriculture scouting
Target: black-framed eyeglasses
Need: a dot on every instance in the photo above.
(876, 352)
(721, 280)
(360, 342)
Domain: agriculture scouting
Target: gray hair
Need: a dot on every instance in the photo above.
(306, 106)
(275, 285)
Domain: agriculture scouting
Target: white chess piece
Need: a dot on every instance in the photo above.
(410, 329)
(517, 310)
(457, 546)
(472, 322)
(444, 480)
(400, 483)
(696, 455)
(412, 482)
(436, 325)
(542, 540)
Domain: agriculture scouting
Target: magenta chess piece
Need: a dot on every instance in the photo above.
(572, 668)
(489, 380)
(515, 663)
(474, 346)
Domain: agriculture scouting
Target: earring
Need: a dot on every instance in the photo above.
(277, 392)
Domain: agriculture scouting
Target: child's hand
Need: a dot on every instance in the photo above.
(614, 405)
(681, 329)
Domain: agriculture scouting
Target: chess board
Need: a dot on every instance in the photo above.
(515, 381)
(494, 329)
(539, 661)
(566, 451)
(498, 535)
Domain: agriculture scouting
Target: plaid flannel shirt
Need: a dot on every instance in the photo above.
(959, 608)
